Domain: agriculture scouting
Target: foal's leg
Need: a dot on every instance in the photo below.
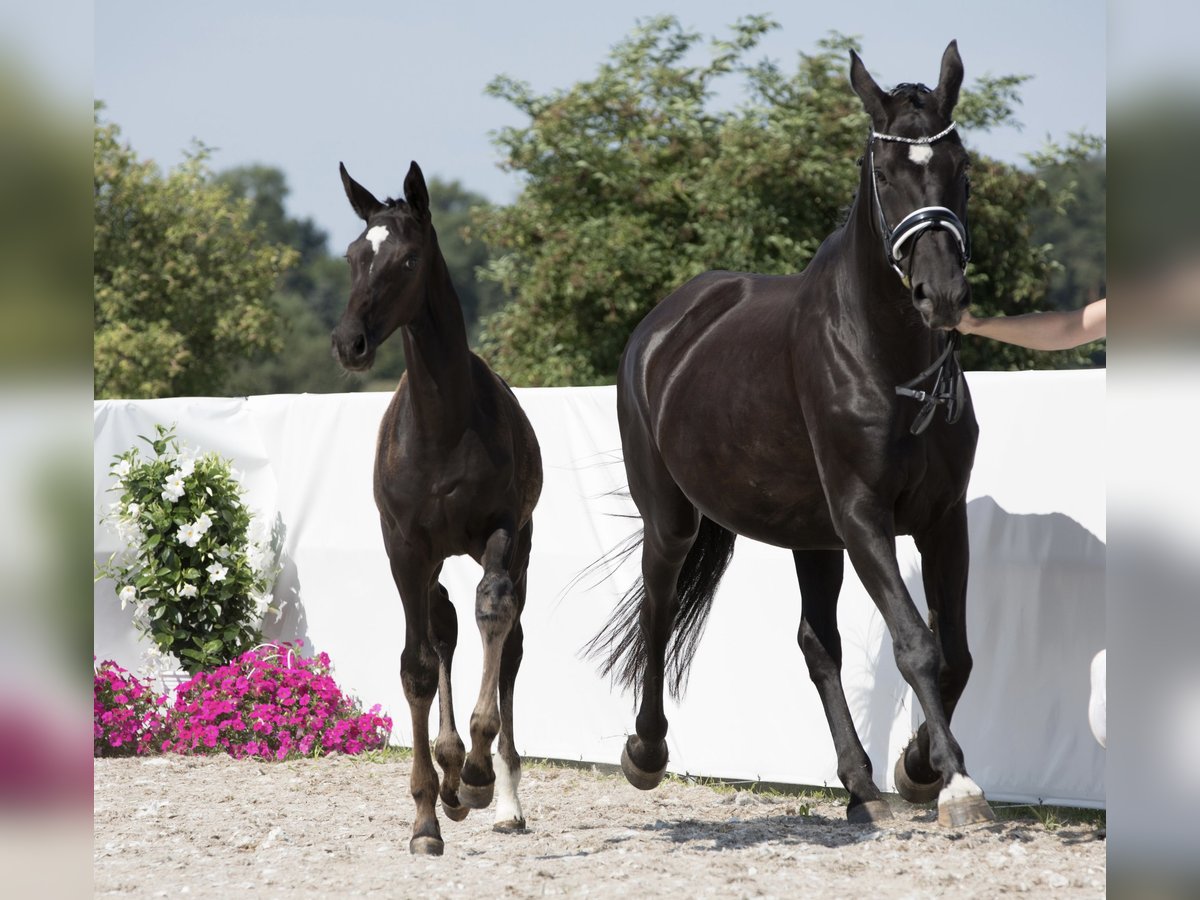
(506, 761)
(419, 675)
(495, 614)
(820, 576)
(448, 749)
(873, 553)
(944, 561)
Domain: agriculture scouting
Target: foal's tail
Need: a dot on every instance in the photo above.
(621, 647)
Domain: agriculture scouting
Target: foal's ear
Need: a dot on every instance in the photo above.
(871, 94)
(360, 198)
(949, 81)
(415, 191)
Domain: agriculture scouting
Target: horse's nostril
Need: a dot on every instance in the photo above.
(359, 347)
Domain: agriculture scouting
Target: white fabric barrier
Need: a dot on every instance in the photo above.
(1036, 590)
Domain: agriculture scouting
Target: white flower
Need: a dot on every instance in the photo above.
(122, 469)
(223, 552)
(187, 465)
(203, 523)
(128, 594)
(216, 572)
(188, 590)
(188, 534)
(172, 488)
(133, 510)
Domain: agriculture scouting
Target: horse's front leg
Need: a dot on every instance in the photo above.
(495, 614)
(820, 575)
(867, 530)
(944, 562)
(419, 676)
(507, 761)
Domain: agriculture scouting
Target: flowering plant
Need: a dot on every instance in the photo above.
(127, 717)
(197, 582)
(271, 703)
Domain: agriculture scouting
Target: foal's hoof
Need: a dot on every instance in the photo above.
(473, 797)
(456, 812)
(868, 812)
(639, 778)
(914, 791)
(423, 845)
(510, 826)
(973, 810)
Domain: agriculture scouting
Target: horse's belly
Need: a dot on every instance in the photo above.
(760, 492)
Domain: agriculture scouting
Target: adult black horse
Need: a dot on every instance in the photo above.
(782, 408)
(457, 471)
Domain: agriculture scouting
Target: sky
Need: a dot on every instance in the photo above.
(304, 85)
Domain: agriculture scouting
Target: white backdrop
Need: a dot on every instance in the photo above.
(1036, 590)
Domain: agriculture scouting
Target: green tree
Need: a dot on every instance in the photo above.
(634, 184)
(182, 282)
(1077, 229)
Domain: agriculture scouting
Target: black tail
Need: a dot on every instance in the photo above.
(620, 646)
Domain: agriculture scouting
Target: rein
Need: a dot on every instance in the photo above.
(947, 387)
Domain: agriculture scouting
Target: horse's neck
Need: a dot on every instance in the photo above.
(882, 304)
(436, 356)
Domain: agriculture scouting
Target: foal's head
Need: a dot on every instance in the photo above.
(915, 181)
(389, 263)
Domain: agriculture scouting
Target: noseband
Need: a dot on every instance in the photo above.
(904, 236)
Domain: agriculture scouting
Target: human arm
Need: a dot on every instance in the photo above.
(1053, 330)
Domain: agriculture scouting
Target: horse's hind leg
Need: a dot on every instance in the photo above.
(506, 760)
(448, 749)
(820, 575)
(495, 614)
(944, 561)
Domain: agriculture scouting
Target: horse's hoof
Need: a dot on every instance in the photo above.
(971, 810)
(868, 812)
(473, 797)
(510, 826)
(642, 780)
(455, 813)
(423, 845)
(914, 791)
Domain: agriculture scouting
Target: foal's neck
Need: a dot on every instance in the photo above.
(436, 356)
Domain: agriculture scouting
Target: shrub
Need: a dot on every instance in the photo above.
(197, 582)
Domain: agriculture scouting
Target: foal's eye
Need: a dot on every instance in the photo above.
(880, 177)
(410, 261)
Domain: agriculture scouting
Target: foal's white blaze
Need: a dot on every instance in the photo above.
(377, 236)
(508, 807)
(960, 786)
(921, 154)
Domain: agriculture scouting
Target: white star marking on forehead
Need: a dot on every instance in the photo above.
(921, 154)
(377, 236)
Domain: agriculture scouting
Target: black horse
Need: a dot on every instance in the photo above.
(457, 471)
(790, 409)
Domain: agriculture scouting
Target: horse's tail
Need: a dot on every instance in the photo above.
(620, 646)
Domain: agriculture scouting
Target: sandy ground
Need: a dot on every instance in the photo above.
(216, 827)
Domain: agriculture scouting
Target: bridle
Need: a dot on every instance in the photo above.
(946, 370)
(904, 235)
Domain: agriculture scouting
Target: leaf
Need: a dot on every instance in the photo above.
(213, 646)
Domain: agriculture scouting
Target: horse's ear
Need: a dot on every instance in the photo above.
(949, 81)
(360, 198)
(415, 191)
(871, 94)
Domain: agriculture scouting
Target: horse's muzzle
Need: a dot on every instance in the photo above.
(351, 348)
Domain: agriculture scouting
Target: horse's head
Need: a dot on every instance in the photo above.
(915, 180)
(388, 266)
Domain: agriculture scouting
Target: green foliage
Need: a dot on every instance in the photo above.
(197, 582)
(634, 184)
(182, 283)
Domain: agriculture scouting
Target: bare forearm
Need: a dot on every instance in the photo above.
(1043, 330)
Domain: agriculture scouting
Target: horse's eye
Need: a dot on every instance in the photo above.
(880, 177)
(410, 261)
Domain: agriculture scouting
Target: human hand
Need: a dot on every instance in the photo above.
(968, 324)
